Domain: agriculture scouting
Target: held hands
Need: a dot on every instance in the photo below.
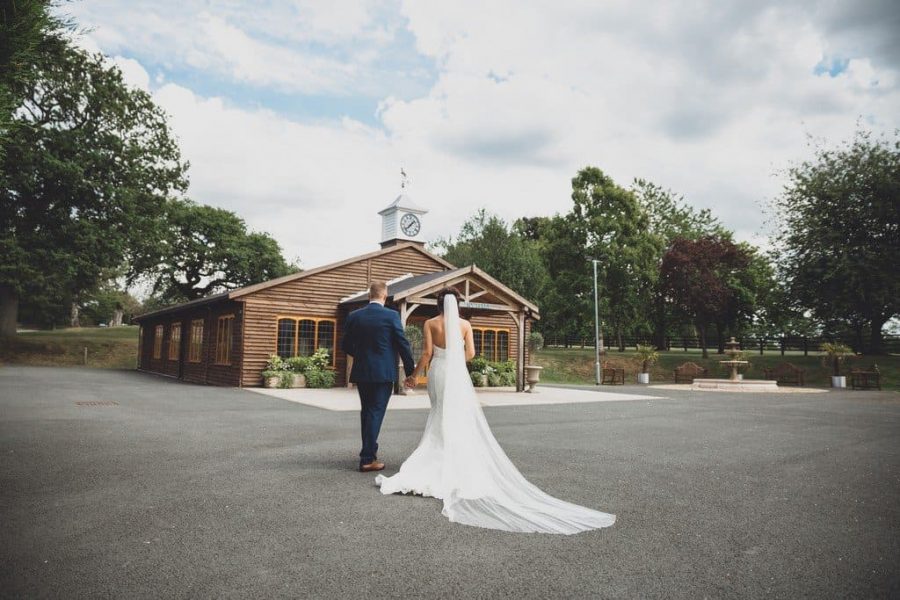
(411, 381)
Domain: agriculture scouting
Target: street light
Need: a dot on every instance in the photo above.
(598, 337)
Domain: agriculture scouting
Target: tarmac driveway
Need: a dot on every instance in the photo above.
(120, 484)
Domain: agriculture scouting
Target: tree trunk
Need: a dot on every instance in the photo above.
(720, 338)
(73, 316)
(876, 338)
(702, 330)
(9, 311)
(659, 323)
(117, 318)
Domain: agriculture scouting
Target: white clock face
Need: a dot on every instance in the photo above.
(410, 224)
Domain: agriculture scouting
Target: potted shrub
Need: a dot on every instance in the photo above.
(271, 379)
(834, 355)
(272, 373)
(477, 378)
(286, 379)
(479, 365)
(298, 365)
(318, 370)
(647, 355)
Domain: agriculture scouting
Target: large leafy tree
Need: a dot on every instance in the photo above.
(86, 179)
(487, 241)
(840, 238)
(615, 231)
(707, 282)
(205, 250)
(669, 217)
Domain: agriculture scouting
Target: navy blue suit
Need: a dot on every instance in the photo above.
(373, 336)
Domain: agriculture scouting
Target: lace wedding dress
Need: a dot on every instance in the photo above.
(460, 462)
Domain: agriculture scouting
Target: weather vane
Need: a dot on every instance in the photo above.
(404, 179)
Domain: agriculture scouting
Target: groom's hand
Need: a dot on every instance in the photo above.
(411, 381)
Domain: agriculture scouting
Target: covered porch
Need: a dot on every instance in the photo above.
(500, 317)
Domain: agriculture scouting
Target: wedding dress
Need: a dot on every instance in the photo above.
(460, 462)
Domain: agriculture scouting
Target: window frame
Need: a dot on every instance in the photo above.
(296, 319)
(158, 333)
(196, 357)
(173, 340)
(496, 344)
(224, 358)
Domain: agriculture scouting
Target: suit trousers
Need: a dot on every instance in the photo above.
(373, 398)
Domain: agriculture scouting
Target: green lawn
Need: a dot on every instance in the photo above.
(107, 347)
(576, 365)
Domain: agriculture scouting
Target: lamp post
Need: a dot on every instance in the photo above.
(597, 337)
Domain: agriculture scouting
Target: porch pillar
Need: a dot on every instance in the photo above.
(519, 318)
(401, 374)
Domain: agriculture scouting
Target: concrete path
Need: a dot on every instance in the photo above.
(126, 485)
(346, 399)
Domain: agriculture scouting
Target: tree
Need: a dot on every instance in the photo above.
(615, 231)
(704, 279)
(87, 176)
(27, 29)
(207, 250)
(669, 217)
(487, 241)
(839, 243)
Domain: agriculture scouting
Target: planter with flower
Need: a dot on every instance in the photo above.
(647, 355)
(835, 354)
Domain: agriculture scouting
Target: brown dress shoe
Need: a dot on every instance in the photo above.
(372, 466)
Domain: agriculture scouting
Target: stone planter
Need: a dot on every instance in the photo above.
(532, 376)
(644, 378)
(838, 381)
(271, 382)
(299, 380)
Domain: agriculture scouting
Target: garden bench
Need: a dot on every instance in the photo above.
(612, 375)
(786, 374)
(687, 372)
(863, 379)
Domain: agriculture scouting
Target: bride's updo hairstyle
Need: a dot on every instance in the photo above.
(444, 292)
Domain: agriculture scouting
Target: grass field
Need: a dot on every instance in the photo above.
(107, 347)
(576, 365)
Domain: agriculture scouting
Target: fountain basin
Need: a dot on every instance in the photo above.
(732, 385)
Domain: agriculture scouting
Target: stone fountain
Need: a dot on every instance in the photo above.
(732, 349)
(735, 383)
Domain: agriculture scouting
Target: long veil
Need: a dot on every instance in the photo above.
(479, 484)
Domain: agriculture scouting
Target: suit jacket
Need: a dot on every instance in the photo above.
(373, 336)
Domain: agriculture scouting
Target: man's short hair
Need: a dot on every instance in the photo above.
(377, 289)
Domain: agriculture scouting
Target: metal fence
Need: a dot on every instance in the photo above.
(761, 345)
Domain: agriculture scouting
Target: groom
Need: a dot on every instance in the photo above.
(373, 336)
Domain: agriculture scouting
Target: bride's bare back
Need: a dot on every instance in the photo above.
(435, 335)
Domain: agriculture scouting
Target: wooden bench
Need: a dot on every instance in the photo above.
(786, 374)
(863, 379)
(687, 372)
(612, 375)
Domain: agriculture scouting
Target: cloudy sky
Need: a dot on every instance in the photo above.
(298, 115)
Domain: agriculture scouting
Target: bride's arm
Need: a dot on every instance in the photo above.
(427, 351)
(469, 341)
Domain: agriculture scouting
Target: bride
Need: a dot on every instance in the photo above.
(459, 461)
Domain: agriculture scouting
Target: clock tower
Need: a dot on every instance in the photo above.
(401, 221)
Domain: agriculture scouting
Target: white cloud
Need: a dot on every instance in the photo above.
(709, 99)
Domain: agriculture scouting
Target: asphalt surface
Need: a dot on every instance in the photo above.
(184, 491)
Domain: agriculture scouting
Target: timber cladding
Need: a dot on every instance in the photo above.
(226, 339)
(175, 360)
(318, 296)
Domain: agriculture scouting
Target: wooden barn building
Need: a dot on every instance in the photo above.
(225, 339)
